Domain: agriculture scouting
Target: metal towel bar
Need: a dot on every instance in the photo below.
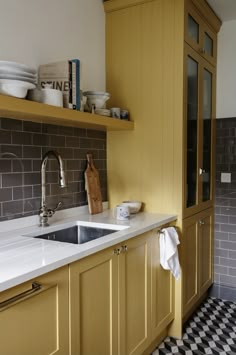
(35, 290)
(160, 230)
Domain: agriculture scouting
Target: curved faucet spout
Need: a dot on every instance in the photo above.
(44, 212)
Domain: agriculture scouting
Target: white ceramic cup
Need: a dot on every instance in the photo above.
(115, 112)
(52, 97)
(122, 212)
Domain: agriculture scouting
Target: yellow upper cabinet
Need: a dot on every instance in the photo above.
(146, 66)
(201, 28)
(200, 86)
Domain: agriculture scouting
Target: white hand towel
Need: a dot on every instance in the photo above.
(169, 257)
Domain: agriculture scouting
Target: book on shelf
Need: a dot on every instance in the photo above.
(64, 76)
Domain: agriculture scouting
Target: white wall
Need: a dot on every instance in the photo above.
(40, 31)
(226, 71)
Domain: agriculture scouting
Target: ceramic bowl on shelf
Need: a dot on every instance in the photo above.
(134, 206)
(103, 112)
(96, 99)
(15, 88)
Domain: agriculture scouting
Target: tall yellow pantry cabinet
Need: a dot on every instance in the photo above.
(161, 66)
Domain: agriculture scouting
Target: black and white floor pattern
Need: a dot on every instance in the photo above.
(211, 330)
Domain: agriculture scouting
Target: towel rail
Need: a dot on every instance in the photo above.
(160, 230)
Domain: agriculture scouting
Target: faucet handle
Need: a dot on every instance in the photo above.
(51, 211)
(57, 206)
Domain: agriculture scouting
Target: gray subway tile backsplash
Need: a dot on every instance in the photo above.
(228, 280)
(22, 146)
(5, 194)
(225, 205)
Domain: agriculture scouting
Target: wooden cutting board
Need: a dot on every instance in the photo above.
(92, 185)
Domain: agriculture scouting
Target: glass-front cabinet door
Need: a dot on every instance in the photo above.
(199, 128)
(192, 130)
(205, 171)
(199, 35)
(209, 42)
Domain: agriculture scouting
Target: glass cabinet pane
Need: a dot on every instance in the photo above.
(208, 44)
(207, 113)
(193, 29)
(192, 128)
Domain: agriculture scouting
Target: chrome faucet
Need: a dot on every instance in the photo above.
(44, 211)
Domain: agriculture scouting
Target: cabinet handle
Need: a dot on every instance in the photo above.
(202, 171)
(116, 251)
(202, 50)
(36, 289)
(124, 248)
(201, 223)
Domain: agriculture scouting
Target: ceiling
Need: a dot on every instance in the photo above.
(225, 9)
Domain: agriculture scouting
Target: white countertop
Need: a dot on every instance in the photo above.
(24, 257)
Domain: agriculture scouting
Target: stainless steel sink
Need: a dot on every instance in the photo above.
(77, 234)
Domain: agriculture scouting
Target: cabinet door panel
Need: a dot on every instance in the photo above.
(37, 325)
(207, 136)
(199, 35)
(190, 263)
(93, 304)
(192, 131)
(207, 143)
(134, 288)
(162, 291)
(205, 251)
(199, 133)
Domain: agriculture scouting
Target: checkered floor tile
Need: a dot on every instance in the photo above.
(211, 330)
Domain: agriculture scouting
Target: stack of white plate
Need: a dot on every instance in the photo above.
(16, 79)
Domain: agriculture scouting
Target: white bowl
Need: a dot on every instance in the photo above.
(15, 88)
(134, 206)
(96, 99)
(103, 112)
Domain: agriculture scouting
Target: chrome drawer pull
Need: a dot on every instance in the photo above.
(36, 287)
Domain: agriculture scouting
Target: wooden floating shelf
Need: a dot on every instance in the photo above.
(11, 107)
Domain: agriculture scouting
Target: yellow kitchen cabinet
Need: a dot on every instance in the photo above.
(162, 305)
(166, 79)
(120, 299)
(34, 317)
(200, 84)
(197, 247)
(135, 295)
(198, 33)
(94, 304)
(190, 262)
(149, 79)
(206, 247)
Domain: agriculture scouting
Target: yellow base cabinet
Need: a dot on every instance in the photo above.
(197, 247)
(162, 311)
(135, 295)
(34, 316)
(120, 299)
(94, 305)
(205, 244)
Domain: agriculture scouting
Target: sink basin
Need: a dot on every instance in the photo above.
(78, 234)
